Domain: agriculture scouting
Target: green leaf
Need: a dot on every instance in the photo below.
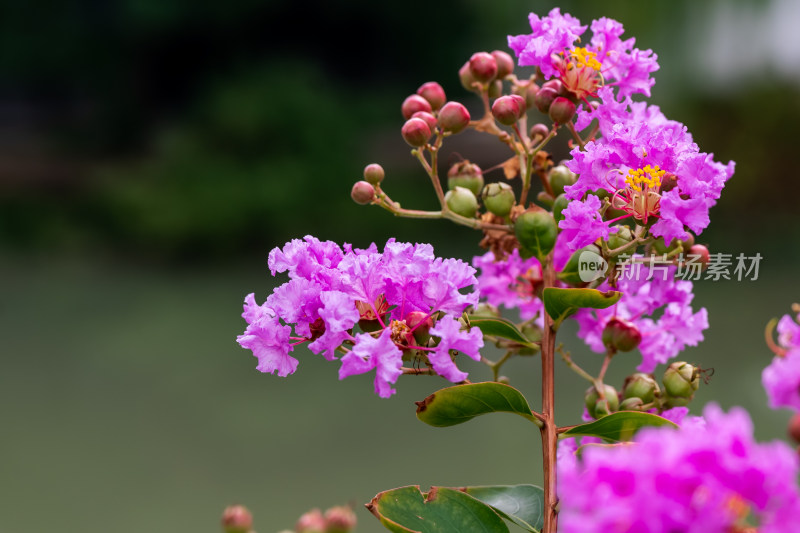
(561, 303)
(619, 427)
(458, 404)
(441, 510)
(500, 327)
(521, 504)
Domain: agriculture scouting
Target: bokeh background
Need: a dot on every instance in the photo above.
(151, 153)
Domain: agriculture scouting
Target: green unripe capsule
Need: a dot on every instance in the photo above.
(559, 204)
(467, 175)
(642, 386)
(623, 236)
(462, 201)
(536, 232)
(599, 408)
(681, 380)
(498, 198)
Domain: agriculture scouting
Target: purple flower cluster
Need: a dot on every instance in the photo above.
(703, 478)
(651, 169)
(510, 283)
(663, 338)
(392, 295)
(606, 61)
(781, 378)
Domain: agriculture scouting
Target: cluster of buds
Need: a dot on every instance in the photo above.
(641, 392)
(339, 519)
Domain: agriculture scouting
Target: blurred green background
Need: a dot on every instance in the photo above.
(153, 152)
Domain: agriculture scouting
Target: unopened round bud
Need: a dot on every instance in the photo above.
(794, 427)
(560, 177)
(545, 198)
(687, 243)
(680, 381)
(527, 90)
(414, 103)
(505, 64)
(466, 78)
(660, 247)
(373, 173)
(429, 119)
(599, 408)
(536, 232)
(544, 98)
(621, 335)
(462, 201)
(465, 174)
(495, 89)
(556, 85)
(642, 386)
(506, 110)
(483, 66)
(362, 192)
(562, 110)
(453, 117)
(433, 93)
(237, 519)
(559, 204)
(668, 182)
(340, 519)
(702, 251)
(623, 236)
(416, 132)
(631, 404)
(311, 522)
(498, 198)
(421, 323)
(538, 133)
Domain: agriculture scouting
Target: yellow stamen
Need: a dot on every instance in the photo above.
(648, 177)
(585, 58)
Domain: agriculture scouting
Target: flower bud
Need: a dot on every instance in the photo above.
(560, 177)
(642, 386)
(498, 198)
(362, 192)
(668, 182)
(505, 64)
(527, 90)
(462, 201)
(794, 427)
(599, 408)
(237, 519)
(465, 174)
(631, 404)
(414, 103)
(373, 173)
(544, 98)
(506, 110)
(680, 381)
(559, 204)
(562, 110)
(621, 335)
(340, 519)
(416, 132)
(483, 66)
(429, 119)
(421, 323)
(556, 85)
(433, 93)
(538, 133)
(623, 236)
(311, 522)
(521, 102)
(536, 232)
(702, 251)
(453, 117)
(466, 78)
(495, 89)
(660, 247)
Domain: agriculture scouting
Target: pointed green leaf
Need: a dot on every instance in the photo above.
(521, 504)
(441, 510)
(500, 327)
(619, 427)
(561, 303)
(458, 404)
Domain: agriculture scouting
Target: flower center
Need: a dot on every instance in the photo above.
(644, 179)
(581, 57)
(401, 333)
(641, 196)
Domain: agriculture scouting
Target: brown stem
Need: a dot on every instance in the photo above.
(549, 429)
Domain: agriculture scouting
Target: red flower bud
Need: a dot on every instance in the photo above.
(505, 64)
(506, 109)
(544, 98)
(311, 522)
(794, 427)
(466, 77)
(702, 251)
(562, 110)
(237, 519)
(414, 103)
(621, 335)
(556, 85)
(483, 66)
(429, 119)
(433, 93)
(453, 117)
(373, 173)
(528, 90)
(340, 520)
(538, 132)
(362, 192)
(421, 323)
(416, 131)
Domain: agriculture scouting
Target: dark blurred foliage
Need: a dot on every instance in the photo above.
(183, 130)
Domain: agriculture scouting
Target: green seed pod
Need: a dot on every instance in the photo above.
(642, 386)
(631, 404)
(623, 236)
(462, 201)
(536, 232)
(465, 174)
(498, 198)
(599, 408)
(559, 204)
(560, 177)
(681, 380)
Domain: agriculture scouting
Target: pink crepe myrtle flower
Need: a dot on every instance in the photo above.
(510, 283)
(664, 337)
(698, 479)
(331, 290)
(781, 379)
(582, 224)
(606, 61)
